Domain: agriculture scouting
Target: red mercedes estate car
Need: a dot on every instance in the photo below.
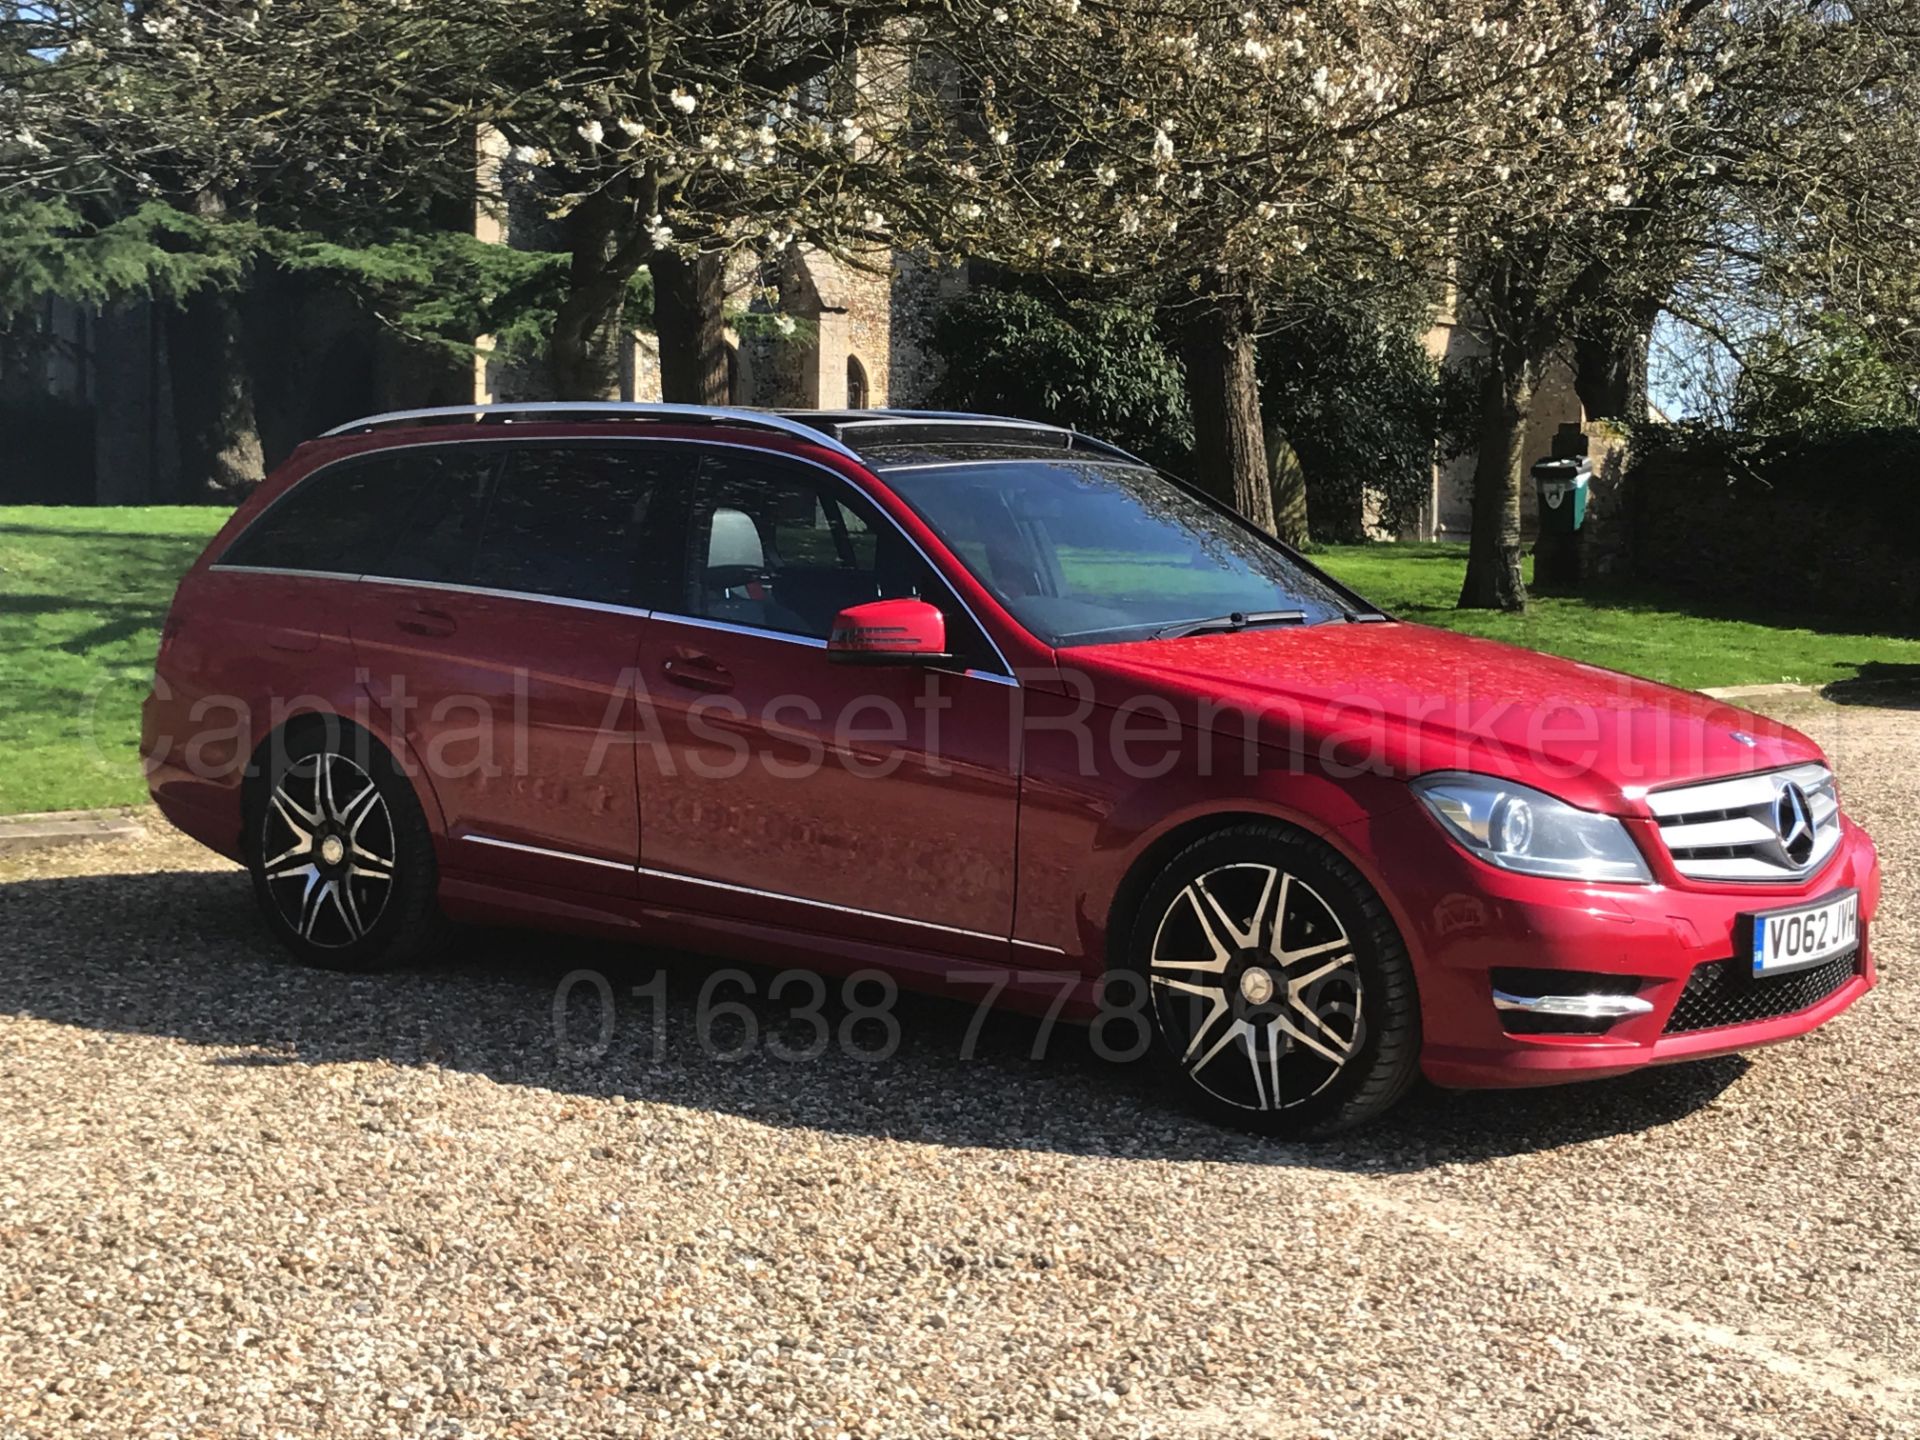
(957, 696)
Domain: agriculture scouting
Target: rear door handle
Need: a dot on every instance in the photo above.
(698, 672)
(425, 620)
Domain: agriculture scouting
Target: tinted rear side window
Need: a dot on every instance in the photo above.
(338, 521)
(582, 523)
(451, 486)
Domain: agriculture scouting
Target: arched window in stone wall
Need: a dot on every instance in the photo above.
(856, 384)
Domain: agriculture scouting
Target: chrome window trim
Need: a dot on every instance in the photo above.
(810, 642)
(819, 904)
(1006, 671)
(728, 627)
(478, 839)
(555, 411)
(605, 607)
(288, 570)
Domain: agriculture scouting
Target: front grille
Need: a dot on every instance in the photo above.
(1730, 829)
(1727, 992)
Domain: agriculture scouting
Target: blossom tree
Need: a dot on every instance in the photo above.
(1216, 154)
(1734, 151)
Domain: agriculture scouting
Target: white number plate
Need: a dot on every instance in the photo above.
(1794, 939)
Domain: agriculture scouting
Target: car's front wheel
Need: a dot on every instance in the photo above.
(341, 855)
(1281, 995)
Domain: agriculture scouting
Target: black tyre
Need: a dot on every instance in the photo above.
(1282, 997)
(342, 859)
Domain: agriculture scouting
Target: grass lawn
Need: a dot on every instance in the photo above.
(1683, 640)
(83, 592)
(82, 595)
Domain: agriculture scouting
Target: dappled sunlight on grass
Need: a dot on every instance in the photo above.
(82, 596)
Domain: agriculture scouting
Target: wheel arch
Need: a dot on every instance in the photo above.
(329, 721)
(1152, 856)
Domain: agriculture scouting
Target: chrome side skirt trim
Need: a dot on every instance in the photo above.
(818, 904)
(643, 870)
(1579, 1007)
(549, 854)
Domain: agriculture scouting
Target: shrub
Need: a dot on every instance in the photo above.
(1097, 366)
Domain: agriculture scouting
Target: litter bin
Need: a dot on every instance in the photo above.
(1562, 486)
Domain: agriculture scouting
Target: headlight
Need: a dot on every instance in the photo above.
(1526, 830)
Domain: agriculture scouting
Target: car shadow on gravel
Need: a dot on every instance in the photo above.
(183, 954)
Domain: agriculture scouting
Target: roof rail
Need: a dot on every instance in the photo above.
(838, 423)
(602, 410)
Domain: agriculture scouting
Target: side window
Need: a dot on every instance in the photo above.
(781, 546)
(338, 520)
(581, 522)
(451, 485)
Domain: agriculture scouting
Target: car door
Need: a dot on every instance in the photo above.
(875, 802)
(503, 634)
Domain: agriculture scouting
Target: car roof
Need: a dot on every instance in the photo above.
(868, 436)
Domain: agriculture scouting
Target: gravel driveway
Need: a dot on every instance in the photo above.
(242, 1199)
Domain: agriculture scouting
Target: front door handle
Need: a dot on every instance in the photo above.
(698, 672)
(425, 620)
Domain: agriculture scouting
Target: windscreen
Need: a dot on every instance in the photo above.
(1090, 552)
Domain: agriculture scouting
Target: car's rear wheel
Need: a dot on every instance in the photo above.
(341, 856)
(1281, 994)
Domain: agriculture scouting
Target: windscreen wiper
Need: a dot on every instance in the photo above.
(1238, 620)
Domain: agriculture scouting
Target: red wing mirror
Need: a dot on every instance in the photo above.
(889, 632)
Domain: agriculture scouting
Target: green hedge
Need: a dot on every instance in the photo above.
(1814, 525)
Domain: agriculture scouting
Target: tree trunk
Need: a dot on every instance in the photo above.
(584, 351)
(1229, 441)
(1493, 560)
(213, 413)
(689, 315)
(1610, 369)
(1289, 490)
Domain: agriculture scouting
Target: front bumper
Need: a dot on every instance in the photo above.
(1464, 920)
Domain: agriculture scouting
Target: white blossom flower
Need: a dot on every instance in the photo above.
(999, 15)
(1162, 143)
(682, 102)
(850, 131)
(632, 129)
(659, 232)
(785, 324)
(1256, 50)
(1001, 136)
(1106, 175)
(591, 132)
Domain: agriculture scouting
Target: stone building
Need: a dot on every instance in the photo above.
(1448, 511)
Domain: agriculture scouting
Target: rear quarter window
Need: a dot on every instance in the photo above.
(340, 520)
